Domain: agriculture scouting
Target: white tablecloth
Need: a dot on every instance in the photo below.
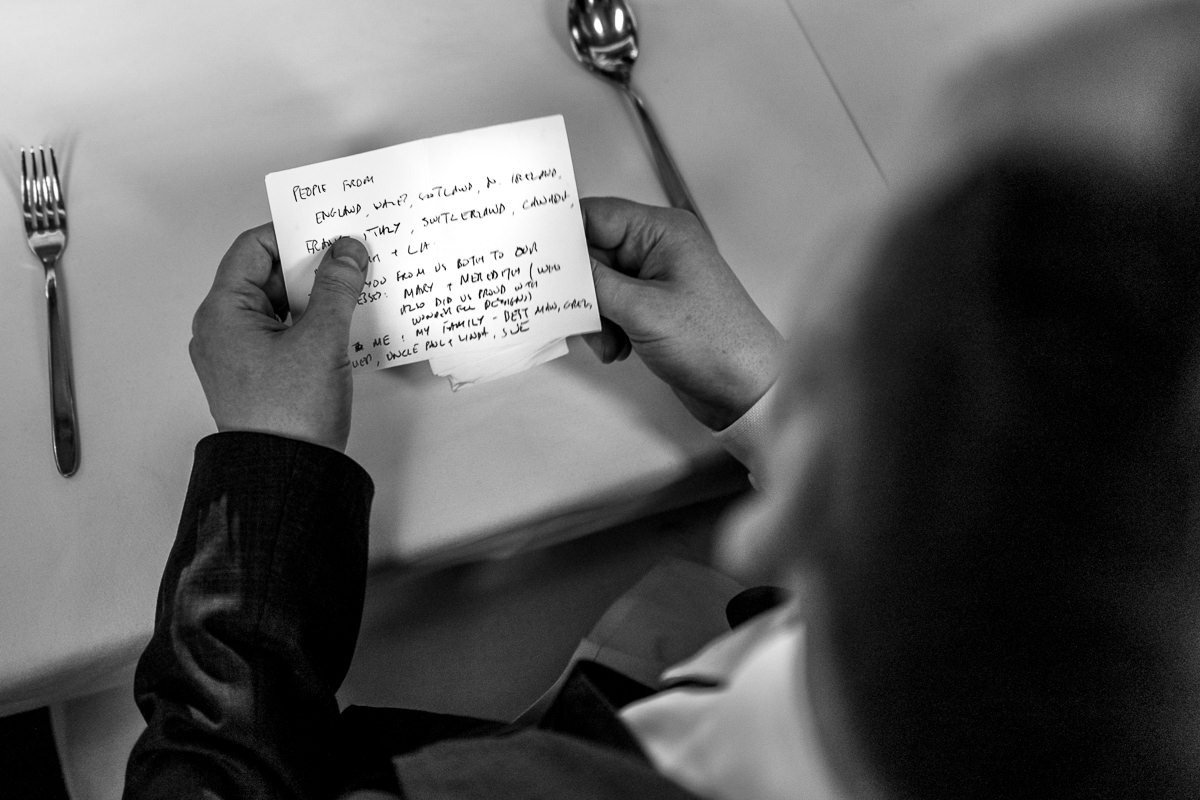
(166, 117)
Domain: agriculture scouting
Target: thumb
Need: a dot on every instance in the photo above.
(338, 282)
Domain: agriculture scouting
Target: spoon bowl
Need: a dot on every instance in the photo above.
(604, 36)
(604, 39)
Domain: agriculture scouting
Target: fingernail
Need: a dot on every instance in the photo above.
(351, 251)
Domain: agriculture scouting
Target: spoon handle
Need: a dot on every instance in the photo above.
(668, 173)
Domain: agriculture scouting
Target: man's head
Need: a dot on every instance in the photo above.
(988, 477)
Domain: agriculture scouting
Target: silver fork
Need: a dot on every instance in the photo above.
(46, 226)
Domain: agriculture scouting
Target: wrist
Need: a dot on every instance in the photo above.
(739, 382)
(748, 437)
(719, 414)
(288, 427)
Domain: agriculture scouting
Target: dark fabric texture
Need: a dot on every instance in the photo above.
(370, 737)
(531, 765)
(587, 704)
(257, 617)
(585, 708)
(258, 612)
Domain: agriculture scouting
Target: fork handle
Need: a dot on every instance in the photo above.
(62, 389)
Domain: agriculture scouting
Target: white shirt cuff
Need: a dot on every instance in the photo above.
(746, 439)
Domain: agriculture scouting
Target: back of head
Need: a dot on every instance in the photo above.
(1010, 557)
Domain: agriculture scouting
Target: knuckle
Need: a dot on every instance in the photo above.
(203, 317)
(338, 281)
(201, 353)
(246, 238)
(683, 221)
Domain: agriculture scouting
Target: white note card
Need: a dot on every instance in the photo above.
(478, 261)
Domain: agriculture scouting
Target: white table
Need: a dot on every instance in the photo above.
(167, 116)
(889, 61)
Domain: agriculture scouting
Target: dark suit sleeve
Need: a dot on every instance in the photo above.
(257, 617)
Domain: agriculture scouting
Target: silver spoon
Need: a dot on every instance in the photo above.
(604, 38)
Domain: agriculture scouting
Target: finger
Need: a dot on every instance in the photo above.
(605, 220)
(628, 232)
(614, 225)
(336, 287)
(603, 256)
(276, 291)
(616, 293)
(250, 259)
(610, 343)
(274, 287)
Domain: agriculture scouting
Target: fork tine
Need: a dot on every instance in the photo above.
(26, 200)
(41, 192)
(39, 189)
(33, 183)
(45, 205)
(60, 208)
(36, 188)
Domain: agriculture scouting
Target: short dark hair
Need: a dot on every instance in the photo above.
(1011, 553)
(1014, 579)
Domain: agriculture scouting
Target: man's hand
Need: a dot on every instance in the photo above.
(664, 289)
(260, 374)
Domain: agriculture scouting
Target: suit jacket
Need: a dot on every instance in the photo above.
(256, 622)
